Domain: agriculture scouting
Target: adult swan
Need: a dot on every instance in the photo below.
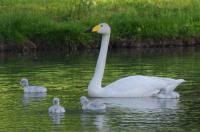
(132, 86)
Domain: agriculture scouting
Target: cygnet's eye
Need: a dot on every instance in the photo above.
(101, 25)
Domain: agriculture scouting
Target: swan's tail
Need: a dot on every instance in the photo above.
(181, 81)
(169, 92)
(173, 86)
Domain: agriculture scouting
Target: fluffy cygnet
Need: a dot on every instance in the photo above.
(91, 105)
(56, 108)
(31, 89)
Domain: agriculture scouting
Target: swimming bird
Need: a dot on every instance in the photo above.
(91, 105)
(56, 108)
(31, 89)
(131, 86)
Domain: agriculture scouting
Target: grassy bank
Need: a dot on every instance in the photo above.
(61, 23)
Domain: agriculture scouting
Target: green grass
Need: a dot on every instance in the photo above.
(63, 22)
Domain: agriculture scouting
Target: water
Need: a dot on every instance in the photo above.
(67, 77)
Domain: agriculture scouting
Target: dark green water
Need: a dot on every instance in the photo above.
(67, 77)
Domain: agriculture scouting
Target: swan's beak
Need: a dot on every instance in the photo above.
(93, 29)
(96, 28)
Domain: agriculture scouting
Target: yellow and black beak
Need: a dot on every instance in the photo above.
(94, 29)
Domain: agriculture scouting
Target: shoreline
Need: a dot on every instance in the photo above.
(59, 26)
(159, 42)
(29, 46)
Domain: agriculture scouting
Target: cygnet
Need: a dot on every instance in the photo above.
(91, 105)
(56, 108)
(31, 89)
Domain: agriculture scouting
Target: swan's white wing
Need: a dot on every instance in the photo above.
(139, 86)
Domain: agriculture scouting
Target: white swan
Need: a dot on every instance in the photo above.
(132, 86)
(91, 105)
(31, 89)
(56, 108)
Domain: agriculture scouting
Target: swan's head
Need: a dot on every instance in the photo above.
(24, 82)
(56, 101)
(102, 28)
(84, 100)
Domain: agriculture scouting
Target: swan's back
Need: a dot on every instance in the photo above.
(140, 86)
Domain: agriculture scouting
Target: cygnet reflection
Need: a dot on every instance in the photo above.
(33, 97)
(56, 118)
(97, 120)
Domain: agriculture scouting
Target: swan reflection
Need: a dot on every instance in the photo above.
(129, 111)
(32, 97)
(140, 104)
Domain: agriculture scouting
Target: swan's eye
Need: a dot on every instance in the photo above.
(101, 25)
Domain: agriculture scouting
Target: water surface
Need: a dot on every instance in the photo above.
(67, 75)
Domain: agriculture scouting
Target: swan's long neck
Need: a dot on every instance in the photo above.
(99, 70)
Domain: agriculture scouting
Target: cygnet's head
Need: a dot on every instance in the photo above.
(102, 28)
(24, 82)
(84, 100)
(56, 101)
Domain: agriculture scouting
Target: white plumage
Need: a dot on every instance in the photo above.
(132, 86)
